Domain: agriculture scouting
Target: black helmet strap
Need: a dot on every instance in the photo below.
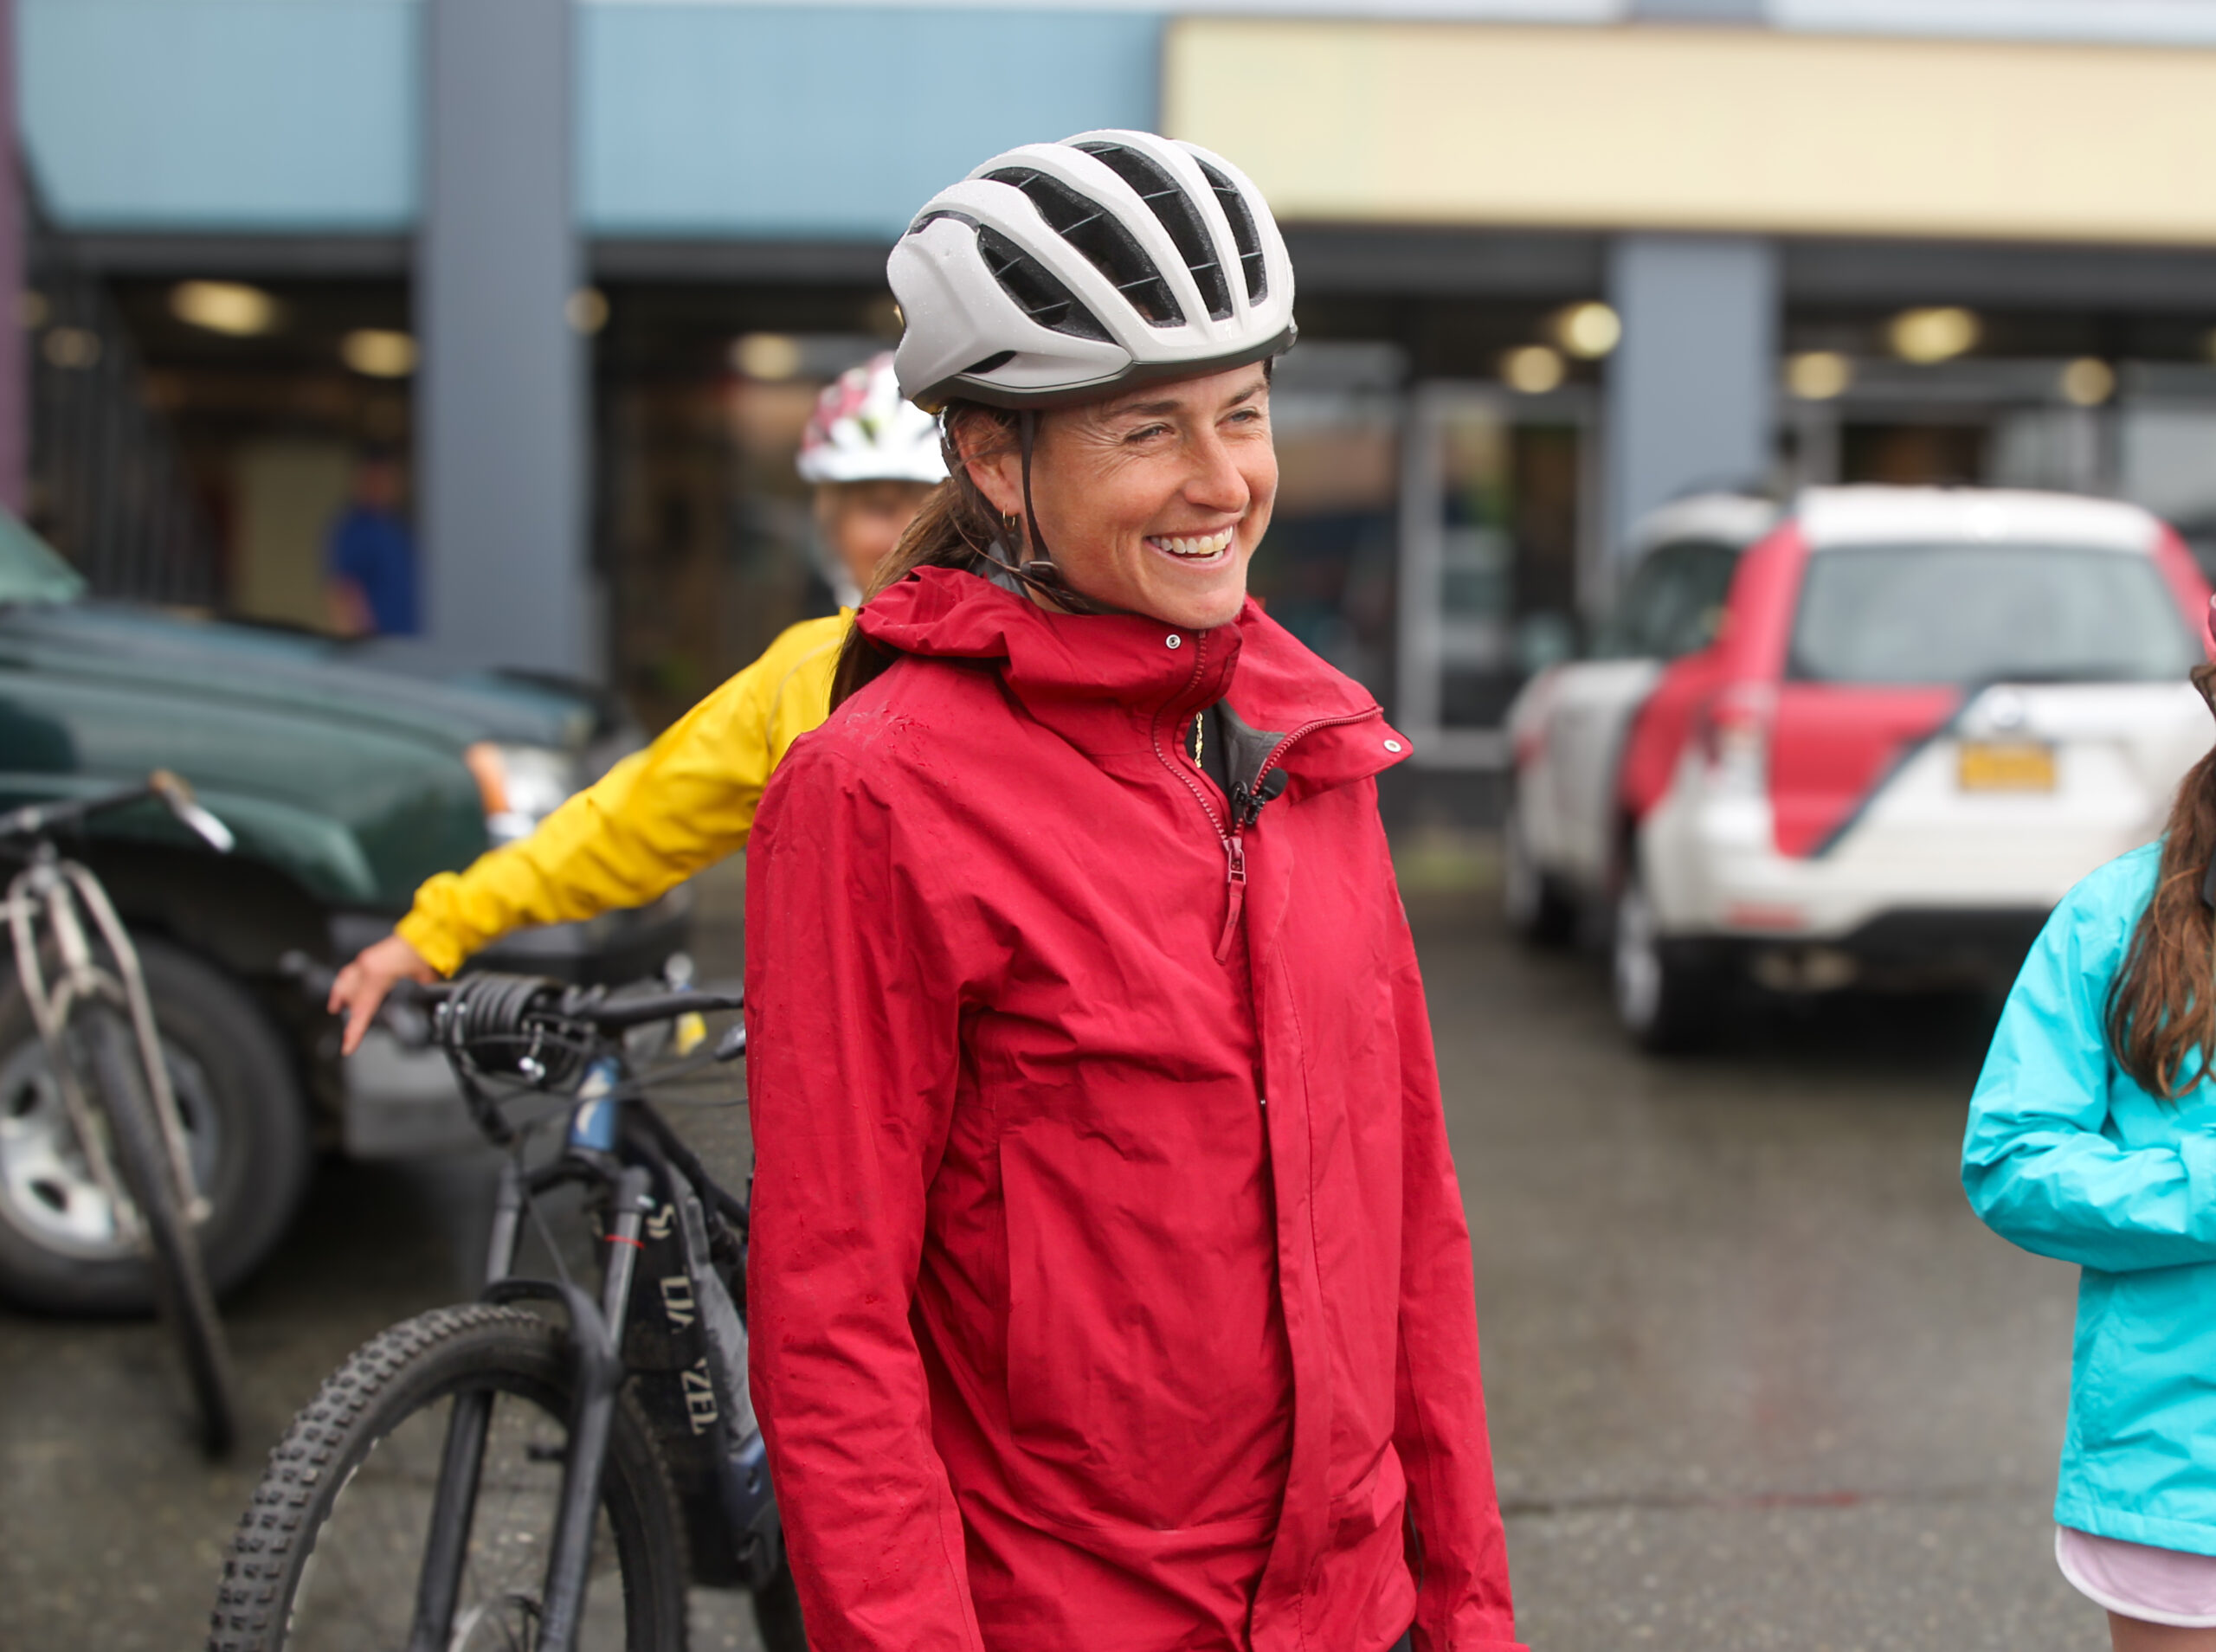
(1038, 570)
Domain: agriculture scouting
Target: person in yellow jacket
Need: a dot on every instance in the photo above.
(688, 799)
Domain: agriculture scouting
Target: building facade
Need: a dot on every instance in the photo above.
(1559, 261)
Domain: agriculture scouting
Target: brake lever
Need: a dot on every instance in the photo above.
(176, 794)
(408, 1012)
(732, 1044)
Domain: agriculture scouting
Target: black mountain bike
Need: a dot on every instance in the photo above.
(96, 1153)
(471, 1478)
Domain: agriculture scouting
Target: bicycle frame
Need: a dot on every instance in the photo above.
(57, 895)
(609, 1148)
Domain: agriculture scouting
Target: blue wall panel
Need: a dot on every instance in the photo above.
(832, 121)
(223, 114)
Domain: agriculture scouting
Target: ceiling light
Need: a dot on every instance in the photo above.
(1936, 335)
(378, 353)
(1534, 369)
(1818, 375)
(1588, 332)
(2089, 380)
(72, 347)
(225, 307)
(586, 310)
(766, 355)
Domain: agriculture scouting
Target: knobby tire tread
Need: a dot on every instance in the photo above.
(180, 1277)
(369, 1397)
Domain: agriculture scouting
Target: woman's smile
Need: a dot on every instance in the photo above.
(1196, 550)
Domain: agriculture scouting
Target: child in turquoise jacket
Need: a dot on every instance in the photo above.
(2092, 1139)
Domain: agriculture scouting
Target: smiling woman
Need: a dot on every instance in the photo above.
(1081, 999)
(1154, 501)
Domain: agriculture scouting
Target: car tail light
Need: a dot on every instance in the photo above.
(1528, 728)
(1735, 735)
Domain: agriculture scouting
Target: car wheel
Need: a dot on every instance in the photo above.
(1663, 1000)
(245, 1131)
(1534, 904)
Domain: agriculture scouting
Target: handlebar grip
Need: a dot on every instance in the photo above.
(316, 979)
(616, 1014)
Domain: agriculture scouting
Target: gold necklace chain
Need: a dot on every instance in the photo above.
(1200, 734)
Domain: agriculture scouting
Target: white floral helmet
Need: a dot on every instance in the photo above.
(863, 431)
(1058, 271)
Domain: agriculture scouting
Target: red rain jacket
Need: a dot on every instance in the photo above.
(1065, 1336)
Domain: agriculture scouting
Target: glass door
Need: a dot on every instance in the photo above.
(1498, 558)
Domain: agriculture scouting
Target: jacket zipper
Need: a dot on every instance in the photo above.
(1231, 834)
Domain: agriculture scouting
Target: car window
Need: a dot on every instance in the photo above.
(1974, 614)
(1673, 602)
(30, 572)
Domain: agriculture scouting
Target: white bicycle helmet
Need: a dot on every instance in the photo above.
(1056, 271)
(862, 430)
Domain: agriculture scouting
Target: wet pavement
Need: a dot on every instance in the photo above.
(1758, 1379)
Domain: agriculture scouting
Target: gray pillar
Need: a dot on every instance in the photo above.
(1691, 390)
(500, 387)
(15, 365)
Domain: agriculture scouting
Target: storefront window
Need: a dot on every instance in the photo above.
(1327, 570)
(2120, 405)
(706, 540)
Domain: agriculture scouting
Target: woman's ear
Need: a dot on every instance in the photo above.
(994, 462)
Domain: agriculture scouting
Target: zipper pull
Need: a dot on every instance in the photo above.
(1235, 849)
(1246, 801)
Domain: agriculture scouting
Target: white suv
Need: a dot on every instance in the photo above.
(1922, 714)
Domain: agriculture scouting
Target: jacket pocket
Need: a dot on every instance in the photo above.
(1145, 1355)
(2095, 1357)
(1042, 1323)
(2142, 1382)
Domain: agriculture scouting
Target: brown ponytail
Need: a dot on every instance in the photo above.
(955, 527)
(2163, 1008)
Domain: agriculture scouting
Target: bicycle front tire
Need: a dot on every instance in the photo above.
(142, 1159)
(327, 1555)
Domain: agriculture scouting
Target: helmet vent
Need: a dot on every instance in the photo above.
(1106, 245)
(1036, 293)
(1242, 231)
(1168, 202)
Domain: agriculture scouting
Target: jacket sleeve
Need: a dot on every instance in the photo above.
(651, 822)
(853, 1012)
(2035, 1162)
(1459, 1552)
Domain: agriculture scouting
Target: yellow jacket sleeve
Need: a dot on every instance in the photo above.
(652, 821)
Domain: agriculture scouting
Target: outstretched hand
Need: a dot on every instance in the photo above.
(361, 986)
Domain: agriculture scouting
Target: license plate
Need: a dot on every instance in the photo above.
(2006, 766)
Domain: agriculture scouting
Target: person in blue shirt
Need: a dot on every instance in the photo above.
(369, 563)
(2092, 1139)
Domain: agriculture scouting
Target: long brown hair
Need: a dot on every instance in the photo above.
(955, 528)
(2163, 1008)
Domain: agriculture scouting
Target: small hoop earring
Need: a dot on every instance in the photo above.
(1009, 519)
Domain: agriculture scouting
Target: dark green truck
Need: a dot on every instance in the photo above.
(345, 787)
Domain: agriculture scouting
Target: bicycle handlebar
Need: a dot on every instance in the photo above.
(36, 820)
(489, 1016)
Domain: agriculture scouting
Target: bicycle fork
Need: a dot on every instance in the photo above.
(595, 1330)
(56, 889)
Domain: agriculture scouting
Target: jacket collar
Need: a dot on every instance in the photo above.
(1111, 684)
